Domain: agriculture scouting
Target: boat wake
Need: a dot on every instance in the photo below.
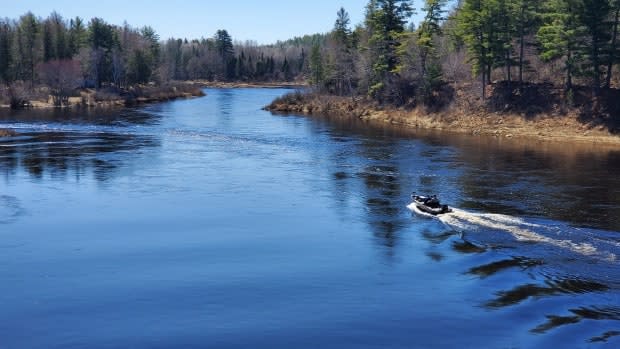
(553, 238)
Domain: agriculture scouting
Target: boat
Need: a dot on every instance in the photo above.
(430, 204)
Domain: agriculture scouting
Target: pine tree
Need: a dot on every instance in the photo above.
(316, 66)
(385, 21)
(341, 30)
(48, 46)
(473, 23)
(5, 52)
(77, 36)
(341, 65)
(594, 14)
(58, 30)
(428, 30)
(527, 17)
(102, 39)
(613, 45)
(225, 50)
(27, 37)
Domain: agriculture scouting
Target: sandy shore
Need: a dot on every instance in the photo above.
(564, 128)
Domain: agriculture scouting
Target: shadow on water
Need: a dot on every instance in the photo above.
(500, 181)
(563, 181)
(550, 288)
(604, 337)
(365, 163)
(580, 314)
(522, 263)
(383, 191)
(59, 143)
(572, 184)
(79, 116)
(467, 247)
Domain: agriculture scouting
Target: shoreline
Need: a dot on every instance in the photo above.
(90, 98)
(238, 84)
(545, 127)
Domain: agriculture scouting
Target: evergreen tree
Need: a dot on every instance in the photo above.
(342, 67)
(140, 67)
(58, 32)
(502, 30)
(27, 43)
(224, 46)
(102, 39)
(527, 17)
(341, 30)
(317, 72)
(78, 36)
(385, 21)
(560, 35)
(593, 15)
(428, 30)
(473, 26)
(152, 40)
(286, 70)
(5, 51)
(613, 45)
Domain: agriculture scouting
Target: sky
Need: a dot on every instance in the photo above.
(263, 21)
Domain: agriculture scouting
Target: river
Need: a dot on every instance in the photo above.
(210, 223)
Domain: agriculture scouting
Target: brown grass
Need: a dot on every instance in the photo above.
(6, 133)
(465, 115)
(109, 96)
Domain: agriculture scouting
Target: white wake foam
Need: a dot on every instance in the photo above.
(519, 229)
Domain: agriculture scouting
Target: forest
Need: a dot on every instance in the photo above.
(504, 51)
(507, 51)
(59, 56)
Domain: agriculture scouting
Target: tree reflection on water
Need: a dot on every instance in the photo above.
(58, 143)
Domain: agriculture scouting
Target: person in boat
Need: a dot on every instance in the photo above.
(431, 204)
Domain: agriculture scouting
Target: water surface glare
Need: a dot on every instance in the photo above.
(209, 223)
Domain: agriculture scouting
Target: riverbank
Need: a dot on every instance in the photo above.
(238, 84)
(109, 97)
(459, 117)
(6, 133)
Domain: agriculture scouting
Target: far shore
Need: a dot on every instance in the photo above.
(186, 89)
(546, 127)
(110, 97)
(239, 84)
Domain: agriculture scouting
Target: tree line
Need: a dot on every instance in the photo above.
(468, 42)
(64, 54)
(473, 42)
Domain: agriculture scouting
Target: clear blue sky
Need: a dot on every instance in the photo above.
(264, 21)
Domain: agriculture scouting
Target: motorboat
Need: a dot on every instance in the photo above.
(430, 204)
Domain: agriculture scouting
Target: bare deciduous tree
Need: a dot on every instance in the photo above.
(62, 77)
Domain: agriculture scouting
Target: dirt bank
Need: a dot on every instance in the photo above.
(569, 126)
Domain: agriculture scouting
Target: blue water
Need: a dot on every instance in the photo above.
(209, 223)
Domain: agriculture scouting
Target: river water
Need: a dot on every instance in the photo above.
(210, 223)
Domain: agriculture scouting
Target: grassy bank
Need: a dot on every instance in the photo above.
(540, 120)
(40, 97)
(6, 133)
